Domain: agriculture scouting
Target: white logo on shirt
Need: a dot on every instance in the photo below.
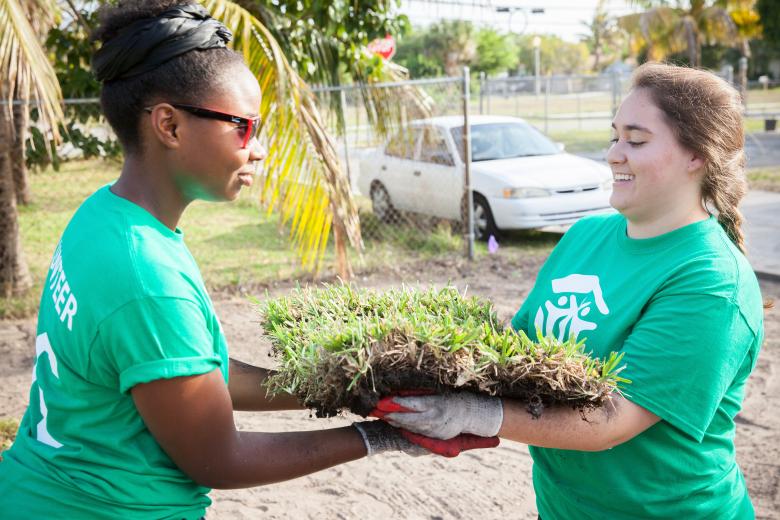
(65, 303)
(564, 318)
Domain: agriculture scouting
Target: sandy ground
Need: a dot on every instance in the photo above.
(485, 484)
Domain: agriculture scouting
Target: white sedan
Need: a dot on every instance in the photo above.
(520, 179)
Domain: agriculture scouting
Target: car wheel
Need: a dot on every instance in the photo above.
(484, 225)
(382, 205)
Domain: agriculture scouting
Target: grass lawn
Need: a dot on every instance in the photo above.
(234, 243)
(237, 245)
(765, 178)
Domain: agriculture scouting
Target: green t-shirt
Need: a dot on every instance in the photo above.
(686, 310)
(123, 303)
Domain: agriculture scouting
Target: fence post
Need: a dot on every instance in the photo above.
(481, 91)
(614, 93)
(743, 66)
(488, 88)
(346, 138)
(469, 224)
(546, 102)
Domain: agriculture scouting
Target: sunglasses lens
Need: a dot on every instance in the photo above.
(251, 131)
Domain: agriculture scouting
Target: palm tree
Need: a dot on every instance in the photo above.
(602, 34)
(303, 179)
(29, 75)
(664, 30)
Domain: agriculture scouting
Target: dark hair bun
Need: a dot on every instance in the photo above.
(188, 78)
(113, 18)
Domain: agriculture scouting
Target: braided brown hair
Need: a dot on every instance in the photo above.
(705, 113)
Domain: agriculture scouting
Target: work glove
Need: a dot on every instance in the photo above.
(380, 437)
(443, 416)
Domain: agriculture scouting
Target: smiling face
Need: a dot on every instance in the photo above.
(655, 178)
(211, 163)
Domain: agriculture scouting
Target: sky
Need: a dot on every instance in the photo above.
(561, 17)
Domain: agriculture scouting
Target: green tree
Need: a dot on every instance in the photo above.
(663, 31)
(769, 11)
(414, 54)
(325, 42)
(603, 37)
(556, 56)
(304, 180)
(496, 52)
(453, 42)
(443, 47)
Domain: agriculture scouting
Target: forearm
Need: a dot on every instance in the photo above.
(255, 459)
(566, 428)
(248, 390)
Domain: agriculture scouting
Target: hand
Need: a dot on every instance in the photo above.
(380, 437)
(443, 416)
(451, 447)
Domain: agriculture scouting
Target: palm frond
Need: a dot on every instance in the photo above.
(25, 63)
(302, 176)
(389, 109)
(717, 26)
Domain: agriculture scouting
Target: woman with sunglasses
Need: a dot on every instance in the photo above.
(133, 393)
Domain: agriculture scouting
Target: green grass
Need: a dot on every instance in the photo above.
(344, 348)
(765, 178)
(237, 245)
(578, 141)
(234, 243)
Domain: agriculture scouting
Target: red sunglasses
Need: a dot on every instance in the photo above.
(249, 127)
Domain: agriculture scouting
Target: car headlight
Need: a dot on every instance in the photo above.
(607, 185)
(524, 193)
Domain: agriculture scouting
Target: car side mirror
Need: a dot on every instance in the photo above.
(561, 147)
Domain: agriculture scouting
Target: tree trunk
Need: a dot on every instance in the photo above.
(18, 153)
(343, 265)
(14, 275)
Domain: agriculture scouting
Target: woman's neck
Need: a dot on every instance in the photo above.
(653, 227)
(152, 189)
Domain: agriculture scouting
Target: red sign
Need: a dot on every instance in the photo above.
(384, 47)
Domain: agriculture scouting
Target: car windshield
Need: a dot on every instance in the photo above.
(493, 141)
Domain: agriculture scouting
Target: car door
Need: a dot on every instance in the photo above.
(436, 191)
(397, 165)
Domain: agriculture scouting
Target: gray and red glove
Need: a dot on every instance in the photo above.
(443, 416)
(380, 437)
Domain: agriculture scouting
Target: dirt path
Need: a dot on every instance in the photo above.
(488, 484)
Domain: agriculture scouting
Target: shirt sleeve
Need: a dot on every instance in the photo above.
(683, 355)
(158, 338)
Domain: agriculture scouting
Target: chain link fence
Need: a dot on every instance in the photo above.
(578, 109)
(402, 145)
(383, 126)
(408, 177)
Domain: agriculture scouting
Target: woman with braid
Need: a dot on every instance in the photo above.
(665, 281)
(131, 405)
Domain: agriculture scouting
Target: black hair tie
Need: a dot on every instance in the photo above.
(148, 43)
